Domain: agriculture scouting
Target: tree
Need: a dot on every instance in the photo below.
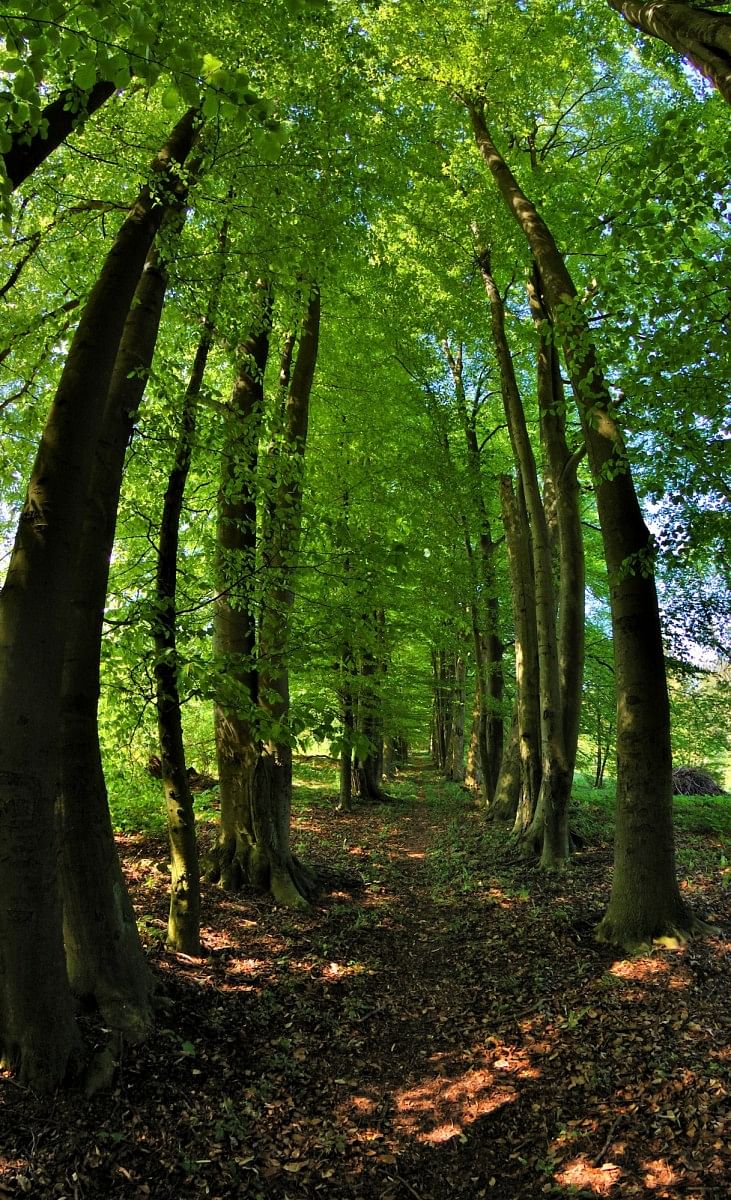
(236, 857)
(184, 915)
(700, 34)
(645, 900)
(289, 881)
(37, 1033)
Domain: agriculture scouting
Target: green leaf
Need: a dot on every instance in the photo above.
(171, 99)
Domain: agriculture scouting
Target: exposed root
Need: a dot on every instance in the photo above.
(673, 935)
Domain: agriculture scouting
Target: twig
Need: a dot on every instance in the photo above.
(610, 1135)
(396, 1178)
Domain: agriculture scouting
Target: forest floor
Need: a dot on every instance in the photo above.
(448, 1028)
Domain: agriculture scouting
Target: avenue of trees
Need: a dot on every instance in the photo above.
(363, 377)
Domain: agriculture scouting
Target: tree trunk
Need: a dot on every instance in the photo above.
(490, 654)
(560, 466)
(549, 827)
(347, 716)
(701, 35)
(527, 704)
(235, 860)
(104, 957)
(507, 793)
(289, 882)
(368, 769)
(456, 753)
(645, 901)
(37, 1033)
(59, 118)
(183, 932)
(472, 777)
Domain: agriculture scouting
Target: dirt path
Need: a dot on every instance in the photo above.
(450, 1030)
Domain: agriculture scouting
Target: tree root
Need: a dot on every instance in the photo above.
(672, 935)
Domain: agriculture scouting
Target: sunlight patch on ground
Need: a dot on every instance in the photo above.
(642, 970)
(441, 1108)
(245, 966)
(581, 1173)
(659, 1174)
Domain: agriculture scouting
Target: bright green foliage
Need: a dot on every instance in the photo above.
(335, 140)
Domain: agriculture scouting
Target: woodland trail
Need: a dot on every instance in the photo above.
(449, 1030)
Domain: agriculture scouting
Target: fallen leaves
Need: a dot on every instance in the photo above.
(438, 1034)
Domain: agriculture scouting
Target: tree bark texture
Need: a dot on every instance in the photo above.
(701, 35)
(507, 793)
(236, 860)
(491, 655)
(103, 953)
(456, 748)
(645, 899)
(59, 118)
(550, 822)
(527, 704)
(347, 717)
(473, 770)
(183, 932)
(559, 469)
(368, 769)
(290, 883)
(37, 1034)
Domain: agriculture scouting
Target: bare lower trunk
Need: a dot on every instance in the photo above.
(288, 881)
(507, 793)
(37, 1034)
(527, 703)
(104, 956)
(473, 769)
(347, 714)
(560, 465)
(456, 750)
(234, 860)
(184, 915)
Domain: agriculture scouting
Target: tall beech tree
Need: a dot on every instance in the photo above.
(184, 914)
(521, 802)
(549, 826)
(701, 34)
(645, 901)
(486, 626)
(290, 882)
(103, 954)
(37, 1031)
(236, 858)
(563, 513)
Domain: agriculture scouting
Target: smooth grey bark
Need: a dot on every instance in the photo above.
(37, 1033)
(559, 468)
(527, 705)
(702, 35)
(289, 882)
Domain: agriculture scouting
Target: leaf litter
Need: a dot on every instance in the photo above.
(444, 1026)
